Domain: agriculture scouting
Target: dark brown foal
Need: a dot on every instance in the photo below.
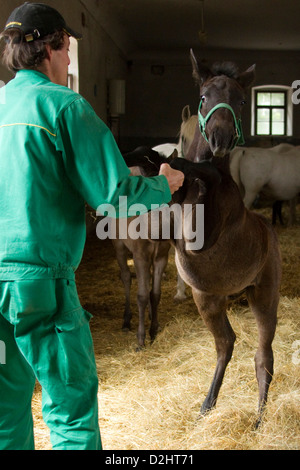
(241, 249)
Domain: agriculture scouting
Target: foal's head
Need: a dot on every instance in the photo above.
(187, 130)
(222, 95)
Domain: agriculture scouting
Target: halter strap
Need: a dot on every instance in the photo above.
(239, 138)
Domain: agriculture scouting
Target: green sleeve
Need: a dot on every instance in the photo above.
(95, 165)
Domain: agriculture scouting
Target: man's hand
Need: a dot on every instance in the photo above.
(175, 177)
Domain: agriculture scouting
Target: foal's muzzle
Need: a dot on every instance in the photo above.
(218, 141)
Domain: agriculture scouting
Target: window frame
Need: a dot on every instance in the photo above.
(288, 110)
(270, 108)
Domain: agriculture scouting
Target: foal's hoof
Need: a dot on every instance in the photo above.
(205, 410)
(258, 422)
(202, 414)
(179, 297)
(260, 416)
(140, 348)
(126, 328)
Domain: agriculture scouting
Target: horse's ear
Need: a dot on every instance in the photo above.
(247, 78)
(173, 155)
(186, 113)
(200, 72)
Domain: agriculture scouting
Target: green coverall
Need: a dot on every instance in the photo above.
(56, 154)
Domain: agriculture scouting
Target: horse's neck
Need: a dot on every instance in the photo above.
(200, 151)
(222, 163)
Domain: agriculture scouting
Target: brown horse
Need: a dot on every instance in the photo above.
(241, 250)
(150, 256)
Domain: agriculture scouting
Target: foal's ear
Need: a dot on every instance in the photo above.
(186, 113)
(173, 155)
(247, 78)
(200, 72)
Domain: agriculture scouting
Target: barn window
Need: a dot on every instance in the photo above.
(271, 111)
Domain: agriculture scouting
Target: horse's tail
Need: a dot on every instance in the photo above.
(235, 164)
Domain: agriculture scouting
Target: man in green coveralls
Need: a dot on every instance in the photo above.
(56, 154)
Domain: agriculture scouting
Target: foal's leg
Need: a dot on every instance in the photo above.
(121, 255)
(142, 266)
(213, 311)
(264, 306)
(180, 293)
(159, 264)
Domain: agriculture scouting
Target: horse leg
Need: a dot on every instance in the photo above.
(264, 306)
(142, 266)
(213, 311)
(180, 294)
(277, 211)
(159, 264)
(121, 255)
(249, 198)
(292, 214)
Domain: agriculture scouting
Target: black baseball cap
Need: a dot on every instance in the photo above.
(37, 20)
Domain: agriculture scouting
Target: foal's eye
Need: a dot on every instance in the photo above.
(243, 102)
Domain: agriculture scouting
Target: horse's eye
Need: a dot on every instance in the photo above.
(243, 102)
(203, 98)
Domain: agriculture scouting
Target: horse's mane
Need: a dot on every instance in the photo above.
(225, 68)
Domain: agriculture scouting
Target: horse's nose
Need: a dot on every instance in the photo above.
(220, 142)
(220, 152)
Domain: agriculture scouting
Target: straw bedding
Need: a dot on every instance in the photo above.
(151, 399)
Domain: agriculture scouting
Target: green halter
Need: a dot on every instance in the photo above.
(239, 138)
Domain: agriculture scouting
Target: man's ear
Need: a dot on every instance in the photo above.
(49, 51)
